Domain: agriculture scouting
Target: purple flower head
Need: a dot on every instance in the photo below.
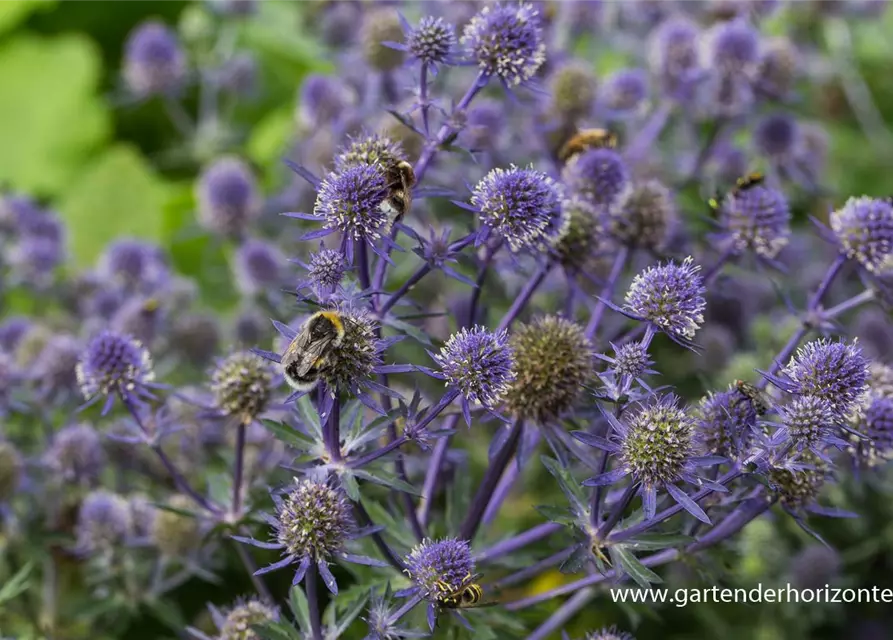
(349, 200)
(478, 364)
(836, 372)
(380, 26)
(518, 204)
(726, 424)
(431, 42)
(440, 567)
(240, 619)
(809, 423)
(778, 68)
(599, 176)
(104, 521)
(76, 455)
(238, 75)
(630, 362)
(11, 468)
(114, 364)
(258, 266)
(624, 91)
(314, 520)
(776, 136)
(669, 296)
(12, 330)
(609, 633)
(325, 272)
(135, 265)
(228, 197)
(33, 260)
(370, 149)
(644, 216)
(798, 484)
(323, 100)
(879, 424)
(573, 87)
(154, 62)
(506, 40)
(140, 317)
(731, 47)
(673, 57)
(580, 244)
(757, 219)
(242, 384)
(864, 228)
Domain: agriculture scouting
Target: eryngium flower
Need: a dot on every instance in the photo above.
(726, 424)
(76, 455)
(599, 176)
(478, 364)
(808, 422)
(507, 41)
(53, 370)
(440, 567)
(624, 91)
(314, 521)
(879, 424)
(432, 41)
(11, 467)
(778, 68)
(673, 57)
(553, 361)
(731, 47)
(242, 384)
(776, 136)
(370, 149)
(798, 486)
(837, 372)
(518, 204)
(154, 61)
(323, 100)
(104, 521)
(135, 265)
(581, 237)
(670, 296)
(573, 88)
(228, 197)
(609, 633)
(643, 216)
(381, 26)
(864, 227)
(241, 618)
(353, 362)
(176, 534)
(12, 330)
(349, 200)
(258, 266)
(757, 219)
(114, 363)
(325, 271)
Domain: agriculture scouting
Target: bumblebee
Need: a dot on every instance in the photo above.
(307, 355)
(586, 139)
(400, 177)
(467, 596)
(741, 184)
(757, 397)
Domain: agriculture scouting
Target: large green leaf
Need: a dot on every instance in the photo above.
(117, 195)
(52, 120)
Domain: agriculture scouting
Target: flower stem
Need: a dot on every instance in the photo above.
(408, 606)
(856, 301)
(564, 613)
(378, 453)
(363, 271)
(547, 563)
(479, 283)
(313, 602)
(504, 547)
(423, 97)
(333, 430)
(524, 297)
(238, 470)
(607, 291)
(731, 524)
(386, 551)
(248, 563)
(410, 282)
(713, 272)
(435, 466)
(617, 511)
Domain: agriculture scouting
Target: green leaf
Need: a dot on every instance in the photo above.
(288, 435)
(652, 541)
(16, 585)
(559, 515)
(220, 487)
(351, 487)
(167, 613)
(309, 416)
(277, 631)
(572, 489)
(624, 559)
(351, 614)
(52, 119)
(270, 137)
(386, 479)
(300, 608)
(411, 330)
(116, 195)
(397, 529)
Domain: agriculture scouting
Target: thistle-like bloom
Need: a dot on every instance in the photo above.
(325, 271)
(809, 423)
(757, 219)
(518, 204)
(553, 362)
(228, 197)
(135, 265)
(12, 330)
(581, 240)
(381, 26)
(104, 521)
(624, 92)
(630, 362)
(431, 42)
(313, 523)
(154, 62)
(864, 228)
(506, 40)
(673, 57)
(477, 364)
(53, 370)
(11, 468)
(656, 447)
(174, 533)
(242, 384)
(439, 252)
(370, 149)
(258, 266)
(349, 200)
(573, 87)
(76, 455)
(670, 297)
(323, 100)
(599, 176)
(879, 424)
(798, 484)
(643, 216)
(440, 567)
(732, 47)
(726, 424)
(778, 68)
(114, 364)
(238, 622)
(776, 136)
(836, 372)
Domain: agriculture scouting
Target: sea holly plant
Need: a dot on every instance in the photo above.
(521, 348)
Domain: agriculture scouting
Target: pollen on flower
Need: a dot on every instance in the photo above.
(757, 219)
(507, 41)
(671, 296)
(314, 520)
(659, 441)
(113, 363)
(242, 384)
(350, 201)
(836, 372)
(479, 364)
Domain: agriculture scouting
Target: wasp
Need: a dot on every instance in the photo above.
(401, 179)
(586, 139)
(742, 184)
(468, 595)
(757, 397)
(305, 358)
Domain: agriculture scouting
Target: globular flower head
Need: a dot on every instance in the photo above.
(323, 100)
(643, 216)
(432, 41)
(12, 330)
(258, 266)
(798, 486)
(239, 74)
(776, 136)
(598, 175)
(521, 205)
(142, 514)
(669, 296)
(507, 41)
(54, 369)
(778, 68)
(381, 26)
(757, 219)
(726, 424)
(836, 372)
(113, 363)
(76, 455)
(879, 424)
(314, 520)
(11, 468)
(673, 57)
(479, 364)
(228, 197)
(135, 265)
(352, 363)
(573, 87)
(104, 521)
(326, 270)
(553, 362)
(864, 228)
(154, 61)
(808, 420)
(174, 533)
(370, 149)
(140, 317)
(658, 442)
(242, 384)
(624, 91)
(238, 623)
(349, 200)
(732, 47)
(195, 337)
(581, 239)
(440, 567)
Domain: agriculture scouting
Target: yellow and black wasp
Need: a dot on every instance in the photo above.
(742, 184)
(468, 595)
(758, 398)
(586, 139)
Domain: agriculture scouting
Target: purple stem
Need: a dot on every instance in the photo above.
(491, 477)
(519, 541)
(365, 520)
(363, 271)
(547, 563)
(479, 283)
(434, 468)
(238, 470)
(714, 271)
(856, 301)
(564, 613)
(731, 524)
(313, 602)
(607, 291)
(506, 482)
(524, 297)
(617, 511)
(333, 430)
(423, 97)
(408, 606)
(404, 289)
(250, 567)
(649, 132)
(378, 453)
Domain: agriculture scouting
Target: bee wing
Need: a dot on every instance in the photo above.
(303, 353)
